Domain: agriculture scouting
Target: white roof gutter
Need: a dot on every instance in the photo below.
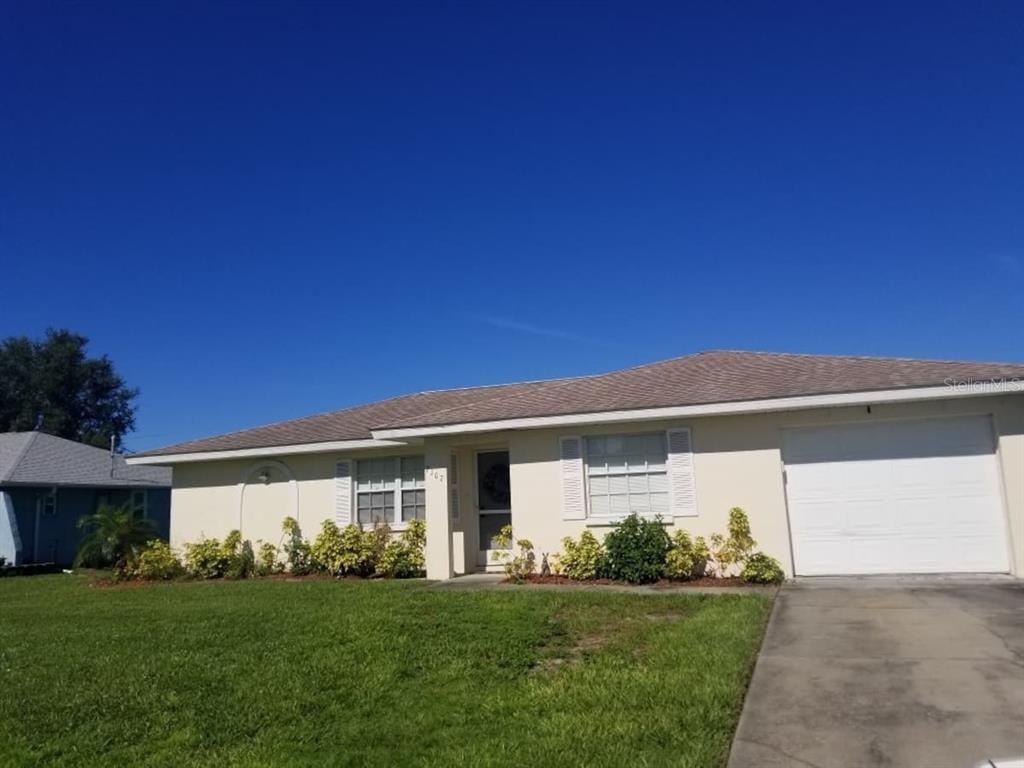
(337, 446)
(954, 389)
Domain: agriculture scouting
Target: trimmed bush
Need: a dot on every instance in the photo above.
(361, 551)
(296, 548)
(688, 558)
(635, 550)
(403, 557)
(762, 569)
(157, 562)
(206, 559)
(241, 561)
(326, 554)
(583, 559)
(266, 559)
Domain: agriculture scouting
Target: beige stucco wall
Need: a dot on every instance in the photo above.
(210, 498)
(737, 462)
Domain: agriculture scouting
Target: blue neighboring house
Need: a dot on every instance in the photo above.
(48, 483)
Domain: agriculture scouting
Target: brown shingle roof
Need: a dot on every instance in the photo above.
(703, 378)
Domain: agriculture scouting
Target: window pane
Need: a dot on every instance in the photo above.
(375, 474)
(412, 471)
(618, 504)
(618, 484)
(637, 484)
(635, 444)
(658, 482)
(413, 513)
(627, 473)
(614, 446)
(659, 504)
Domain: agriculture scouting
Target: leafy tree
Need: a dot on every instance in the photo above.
(78, 397)
(114, 538)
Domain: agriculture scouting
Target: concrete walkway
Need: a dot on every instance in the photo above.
(900, 673)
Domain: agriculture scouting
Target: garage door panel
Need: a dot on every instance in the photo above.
(895, 497)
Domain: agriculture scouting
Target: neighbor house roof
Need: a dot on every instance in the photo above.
(36, 458)
(703, 378)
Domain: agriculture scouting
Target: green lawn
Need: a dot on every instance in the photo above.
(368, 673)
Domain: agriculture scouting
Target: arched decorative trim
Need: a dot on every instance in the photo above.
(246, 479)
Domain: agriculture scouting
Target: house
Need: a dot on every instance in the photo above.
(48, 483)
(846, 465)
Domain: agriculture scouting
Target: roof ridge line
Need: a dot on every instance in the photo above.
(823, 355)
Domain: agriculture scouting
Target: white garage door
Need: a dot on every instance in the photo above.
(895, 497)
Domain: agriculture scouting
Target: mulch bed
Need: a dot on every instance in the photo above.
(707, 581)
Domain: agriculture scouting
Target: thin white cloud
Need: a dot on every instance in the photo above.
(509, 324)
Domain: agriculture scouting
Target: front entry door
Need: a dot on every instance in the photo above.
(493, 501)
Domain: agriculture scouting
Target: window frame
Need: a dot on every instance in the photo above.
(135, 507)
(48, 499)
(399, 490)
(626, 472)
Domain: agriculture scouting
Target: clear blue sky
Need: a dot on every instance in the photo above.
(262, 211)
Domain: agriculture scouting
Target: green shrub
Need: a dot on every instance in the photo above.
(326, 554)
(157, 562)
(375, 541)
(635, 550)
(403, 558)
(241, 559)
(735, 548)
(762, 569)
(266, 559)
(688, 558)
(361, 551)
(114, 537)
(583, 559)
(518, 565)
(296, 548)
(354, 555)
(206, 559)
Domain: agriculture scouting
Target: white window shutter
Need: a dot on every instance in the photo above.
(574, 503)
(453, 486)
(343, 493)
(682, 488)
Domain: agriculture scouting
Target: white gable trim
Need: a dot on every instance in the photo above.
(273, 450)
(801, 402)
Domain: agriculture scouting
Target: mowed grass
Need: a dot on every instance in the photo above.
(311, 673)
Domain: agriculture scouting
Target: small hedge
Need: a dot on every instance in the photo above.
(635, 550)
(762, 569)
(582, 560)
(334, 552)
(639, 550)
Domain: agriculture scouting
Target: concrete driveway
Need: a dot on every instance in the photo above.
(857, 673)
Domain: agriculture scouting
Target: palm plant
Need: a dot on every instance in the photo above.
(114, 537)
